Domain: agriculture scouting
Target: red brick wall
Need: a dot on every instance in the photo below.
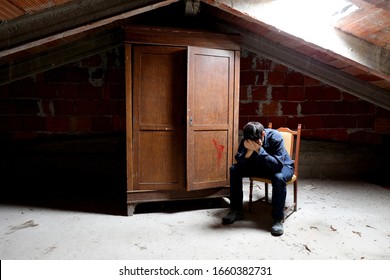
(87, 96)
(271, 92)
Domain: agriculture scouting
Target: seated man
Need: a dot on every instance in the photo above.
(261, 154)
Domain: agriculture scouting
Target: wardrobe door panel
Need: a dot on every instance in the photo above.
(209, 117)
(162, 172)
(159, 94)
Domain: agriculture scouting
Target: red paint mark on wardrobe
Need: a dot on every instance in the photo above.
(219, 149)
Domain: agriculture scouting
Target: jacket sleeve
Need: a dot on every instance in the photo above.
(240, 155)
(274, 154)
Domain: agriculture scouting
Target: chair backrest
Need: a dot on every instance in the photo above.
(292, 143)
(288, 137)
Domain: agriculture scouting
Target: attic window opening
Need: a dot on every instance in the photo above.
(311, 20)
(342, 9)
(313, 12)
(328, 11)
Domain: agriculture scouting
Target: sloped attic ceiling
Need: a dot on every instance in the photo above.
(357, 61)
(353, 54)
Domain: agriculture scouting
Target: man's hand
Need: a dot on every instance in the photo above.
(252, 146)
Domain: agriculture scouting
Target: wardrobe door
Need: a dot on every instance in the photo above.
(209, 117)
(159, 110)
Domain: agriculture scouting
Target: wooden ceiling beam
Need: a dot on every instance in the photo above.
(33, 57)
(23, 30)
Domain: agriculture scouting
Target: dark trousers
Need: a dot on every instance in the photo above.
(279, 191)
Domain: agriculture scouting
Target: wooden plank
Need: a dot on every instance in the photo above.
(210, 114)
(180, 37)
(159, 106)
(145, 196)
(129, 116)
(71, 19)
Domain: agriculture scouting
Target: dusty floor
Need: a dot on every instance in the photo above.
(336, 220)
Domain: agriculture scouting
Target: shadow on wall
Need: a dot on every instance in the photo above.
(85, 174)
(79, 173)
(330, 160)
(89, 173)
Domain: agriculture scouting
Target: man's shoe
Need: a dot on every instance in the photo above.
(277, 228)
(232, 216)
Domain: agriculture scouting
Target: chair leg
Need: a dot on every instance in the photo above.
(266, 193)
(250, 194)
(295, 196)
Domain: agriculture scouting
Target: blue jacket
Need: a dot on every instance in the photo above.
(272, 154)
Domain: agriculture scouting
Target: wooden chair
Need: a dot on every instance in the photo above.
(292, 141)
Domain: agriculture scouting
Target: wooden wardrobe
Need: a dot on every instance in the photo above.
(182, 97)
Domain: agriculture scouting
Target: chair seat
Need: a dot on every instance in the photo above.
(268, 181)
